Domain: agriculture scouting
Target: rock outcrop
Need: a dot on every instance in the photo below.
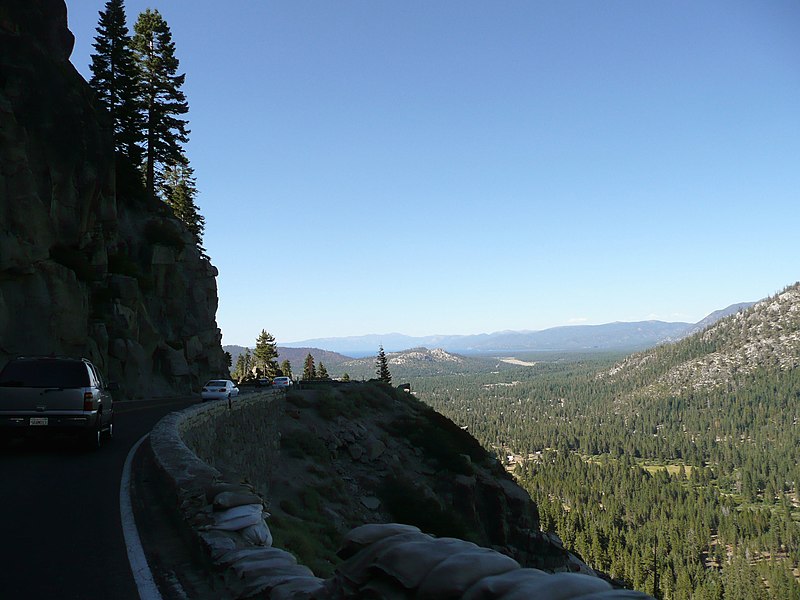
(367, 453)
(322, 480)
(88, 266)
(215, 460)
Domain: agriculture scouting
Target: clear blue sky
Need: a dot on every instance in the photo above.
(457, 167)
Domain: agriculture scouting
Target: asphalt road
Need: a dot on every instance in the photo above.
(60, 529)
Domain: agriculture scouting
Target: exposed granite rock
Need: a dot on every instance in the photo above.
(86, 267)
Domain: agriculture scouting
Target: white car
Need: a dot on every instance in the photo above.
(282, 382)
(219, 389)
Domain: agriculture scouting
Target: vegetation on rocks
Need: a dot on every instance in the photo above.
(361, 453)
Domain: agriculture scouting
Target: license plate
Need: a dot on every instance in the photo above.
(38, 420)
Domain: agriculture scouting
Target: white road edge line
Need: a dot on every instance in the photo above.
(148, 590)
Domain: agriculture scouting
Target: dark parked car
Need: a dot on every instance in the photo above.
(56, 395)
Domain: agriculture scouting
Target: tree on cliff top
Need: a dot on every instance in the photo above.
(179, 192)
(309, 370)
(135, 80)
(162, 98)
(115, 80)
(265, 354)
(382, 367)
(286, 368)
(322, 372)
(244, 364)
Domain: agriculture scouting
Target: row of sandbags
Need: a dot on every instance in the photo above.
(380, 561)
(238, 539)
(399, 561)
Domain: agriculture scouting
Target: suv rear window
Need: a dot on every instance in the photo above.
(45, 373)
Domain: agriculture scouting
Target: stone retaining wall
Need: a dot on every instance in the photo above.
(240, 441)
(204, 453)
(194, 446)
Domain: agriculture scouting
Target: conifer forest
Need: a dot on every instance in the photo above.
(682, 494)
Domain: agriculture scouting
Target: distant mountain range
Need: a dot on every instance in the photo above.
(620, 336)
(411, 354)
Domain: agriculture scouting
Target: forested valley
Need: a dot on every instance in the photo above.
(679, 479)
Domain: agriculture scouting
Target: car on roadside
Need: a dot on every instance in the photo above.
(282, 382)
(264, 382)
(219, 389)
(51, 395)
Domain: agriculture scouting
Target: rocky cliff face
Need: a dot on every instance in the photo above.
(85, 268)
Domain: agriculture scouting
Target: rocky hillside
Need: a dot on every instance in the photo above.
(765, 336)
(718, 315)
(367, 453)
(416, 362)
(87, 267)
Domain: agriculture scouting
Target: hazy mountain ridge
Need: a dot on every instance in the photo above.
(410, 356)
(764, 336)
(609, 336)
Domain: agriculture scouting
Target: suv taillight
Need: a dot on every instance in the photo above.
(88, 401)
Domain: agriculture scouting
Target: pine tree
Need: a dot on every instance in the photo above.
(163, 100)
(382, 367)
(243, 366)
(322, 372)
(286, 368)
(309, 370)
(115, 80)
(238, 370)
(179, 192)
(265, 354)
(248, 365)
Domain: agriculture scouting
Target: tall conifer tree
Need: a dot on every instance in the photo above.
(309, 370)
(163, 100)
(179, 192)
(322, 372)
(115, 80)
(382, 367)
(266, 353)
(286, 368)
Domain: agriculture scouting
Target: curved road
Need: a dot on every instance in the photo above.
(60, 529)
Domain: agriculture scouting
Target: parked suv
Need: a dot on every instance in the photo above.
(56, 395)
